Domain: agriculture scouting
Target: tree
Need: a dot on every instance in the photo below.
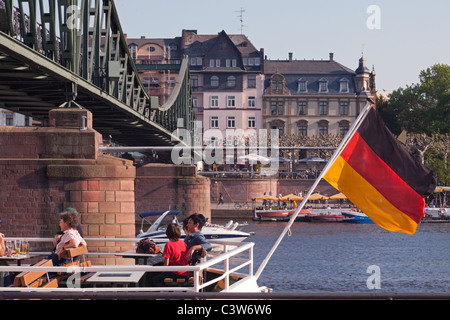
(422, 107)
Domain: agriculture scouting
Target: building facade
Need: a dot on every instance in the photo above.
(314, 97)
(226, 77)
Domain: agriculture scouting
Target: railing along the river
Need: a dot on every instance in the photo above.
(225, 260)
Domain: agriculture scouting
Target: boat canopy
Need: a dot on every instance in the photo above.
(158, 213)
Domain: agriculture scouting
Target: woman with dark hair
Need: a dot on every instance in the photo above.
(174, 255)
(70, 238)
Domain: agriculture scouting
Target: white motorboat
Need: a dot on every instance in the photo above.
(157, 231)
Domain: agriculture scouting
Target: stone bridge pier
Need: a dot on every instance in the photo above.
(44, 170)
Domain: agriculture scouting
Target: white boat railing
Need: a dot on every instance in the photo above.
(226, 263)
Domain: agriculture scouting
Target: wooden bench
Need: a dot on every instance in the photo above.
(179, 281)
(74, 254)
(35, 278)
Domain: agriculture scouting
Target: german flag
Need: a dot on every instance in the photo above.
(381, 178)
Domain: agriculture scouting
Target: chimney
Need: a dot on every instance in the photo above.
(331, 56)
(290, 56)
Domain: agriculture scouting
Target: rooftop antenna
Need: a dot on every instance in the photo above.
(241, 16)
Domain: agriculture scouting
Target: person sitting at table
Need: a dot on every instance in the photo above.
(71, 238)
(196, 241)
(174, 255)
(5, 278)
(59, 234)
(2, 245)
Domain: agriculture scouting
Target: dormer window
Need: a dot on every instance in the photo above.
(302, 85)
(323, 85)
(343, 85)
(231, 81)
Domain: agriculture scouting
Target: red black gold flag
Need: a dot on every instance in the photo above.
(381, 178)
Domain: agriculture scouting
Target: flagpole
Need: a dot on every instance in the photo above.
(333, 158)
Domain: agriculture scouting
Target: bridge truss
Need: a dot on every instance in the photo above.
(53, 52)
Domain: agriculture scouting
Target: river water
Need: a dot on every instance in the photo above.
(335, 257)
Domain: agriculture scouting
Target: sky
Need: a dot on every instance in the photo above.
(399, 38)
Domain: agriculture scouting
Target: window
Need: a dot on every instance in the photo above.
(273, 108)
(231, 122)
(214, 122)
(211, 63)
(323, 127)
(195, 101)
(214, 81)
(251, 81)
(280, 107)
(302, 108)
(230, 63)
(323, 85)
(231, 101)
(323, 130)
(214, 102)
(344, 85)
(252, 122)
(172, 82)
(196, 61)
(343, 108)
(9, 119)
(194, 83)
(323, 108)
(343, 130)
(280, 129)
(133, 51)
(302, 130)
(344, 126)
(252, 102)
(280, 85)
(231, 81)
(302, 85)
(217, 63)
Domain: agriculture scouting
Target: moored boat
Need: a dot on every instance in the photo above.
(157, 231)
(277, 214)
(356, 217)
(325, 217)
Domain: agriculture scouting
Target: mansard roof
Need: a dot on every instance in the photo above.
(305, 67)
(313, 72)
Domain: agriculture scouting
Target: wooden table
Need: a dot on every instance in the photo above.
(118, 277)
(17, 258)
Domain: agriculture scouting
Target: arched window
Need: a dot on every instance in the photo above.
(323, 127)
(214, 81)
(231, 81)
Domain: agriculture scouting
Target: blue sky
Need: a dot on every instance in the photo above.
(413, 35)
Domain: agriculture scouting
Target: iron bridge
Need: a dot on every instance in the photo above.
(70, 53)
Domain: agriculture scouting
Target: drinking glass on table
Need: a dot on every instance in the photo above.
(17, 244)
(25, 247)
(9, 247)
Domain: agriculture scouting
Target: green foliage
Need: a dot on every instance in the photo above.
(422, 107)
